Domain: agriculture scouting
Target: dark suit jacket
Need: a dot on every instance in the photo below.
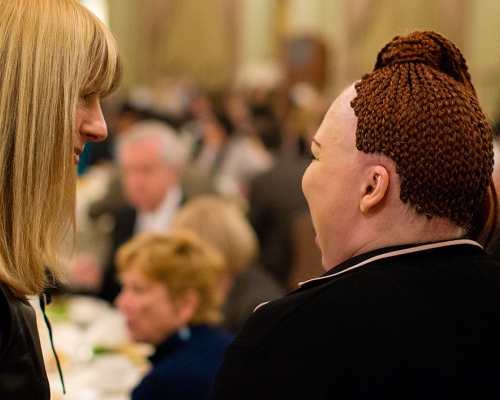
(421, 325)
(275, 197)
(123, 230)
(125, 218)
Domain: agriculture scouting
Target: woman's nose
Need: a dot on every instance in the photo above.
(118, 302)
(93, 125)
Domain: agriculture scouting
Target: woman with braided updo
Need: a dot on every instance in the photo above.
(419, 108)
(409, 306)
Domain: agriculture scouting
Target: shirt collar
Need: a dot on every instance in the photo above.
(387, 252)
(160, 219)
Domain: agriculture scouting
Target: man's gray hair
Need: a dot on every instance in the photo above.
(172, 149)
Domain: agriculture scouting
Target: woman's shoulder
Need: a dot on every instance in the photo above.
(189, 370)
(20, 350)
(210, 336)
(5, 320)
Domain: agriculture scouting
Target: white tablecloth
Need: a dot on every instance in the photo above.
(98, 360)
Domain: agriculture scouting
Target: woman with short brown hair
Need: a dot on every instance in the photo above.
(171, 296)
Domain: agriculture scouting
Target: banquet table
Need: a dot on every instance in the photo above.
(97, 358)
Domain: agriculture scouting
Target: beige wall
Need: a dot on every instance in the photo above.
(176, 37)
(213, 39)
(483, 52)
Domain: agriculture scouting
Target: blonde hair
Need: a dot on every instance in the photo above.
(51, 53)
(224, 227)
(182, 262)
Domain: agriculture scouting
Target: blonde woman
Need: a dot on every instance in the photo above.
(226, 229)
(171, 298)
(56, 61)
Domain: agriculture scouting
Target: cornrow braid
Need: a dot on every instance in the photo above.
(419, 108)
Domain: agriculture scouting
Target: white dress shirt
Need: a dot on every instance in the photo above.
(160, 219)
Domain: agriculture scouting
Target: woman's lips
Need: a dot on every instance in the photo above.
(76, 155)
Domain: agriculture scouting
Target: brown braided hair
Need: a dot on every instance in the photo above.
(419, 108)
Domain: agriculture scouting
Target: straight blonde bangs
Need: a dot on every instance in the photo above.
(45, 59)
(104, 63)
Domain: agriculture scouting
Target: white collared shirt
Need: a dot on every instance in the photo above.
(160, 220)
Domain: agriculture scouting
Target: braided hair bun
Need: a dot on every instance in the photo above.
(419, 108)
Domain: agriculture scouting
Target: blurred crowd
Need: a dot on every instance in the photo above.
(231, 160)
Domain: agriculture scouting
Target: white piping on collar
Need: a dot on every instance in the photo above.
(260, 305)
(398, 253)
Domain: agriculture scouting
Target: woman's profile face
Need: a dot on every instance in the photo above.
(331, 182)
(150, 314)
(90, 125)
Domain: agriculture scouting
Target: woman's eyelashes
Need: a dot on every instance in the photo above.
(311, 156)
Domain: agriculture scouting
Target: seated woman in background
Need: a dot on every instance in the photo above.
(226, 229)
(171, 297)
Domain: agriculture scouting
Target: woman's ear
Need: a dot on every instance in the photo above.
(186, 305)
(374, 188)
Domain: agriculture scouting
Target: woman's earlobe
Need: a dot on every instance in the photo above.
(188, 304)
(374, 188)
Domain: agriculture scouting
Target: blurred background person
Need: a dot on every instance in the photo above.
(225, 159)
(226, 229)
(278, 209)
(171, 298)
(200, 108)
(150, 157)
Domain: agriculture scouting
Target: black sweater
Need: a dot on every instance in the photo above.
(420, 323)
(22, 371)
